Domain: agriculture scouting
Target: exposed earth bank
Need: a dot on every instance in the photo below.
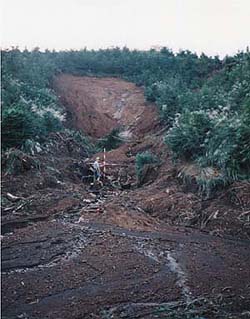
(154, 250)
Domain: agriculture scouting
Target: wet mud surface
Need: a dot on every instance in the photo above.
(61, 269)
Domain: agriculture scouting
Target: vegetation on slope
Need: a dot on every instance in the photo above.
(30, 109)
(203, 101)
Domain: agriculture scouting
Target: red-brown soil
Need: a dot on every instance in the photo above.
(155, 250)
(98, 105)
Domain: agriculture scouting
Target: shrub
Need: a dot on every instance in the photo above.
(19, 124)
(110, 141)
(208, 186)
(51, 123)
(83, 141)
(228, 147)
(30, 108)
(186, 138)
(143, 159)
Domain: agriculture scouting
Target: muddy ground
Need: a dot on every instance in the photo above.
(154, 249)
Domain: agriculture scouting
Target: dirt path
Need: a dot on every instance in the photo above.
(104, 256)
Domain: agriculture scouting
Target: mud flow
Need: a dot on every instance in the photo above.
(125, 249)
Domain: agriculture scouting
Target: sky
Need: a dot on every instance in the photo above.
(215, 27)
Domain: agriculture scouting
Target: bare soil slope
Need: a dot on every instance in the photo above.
(99, 105)
(70, 251)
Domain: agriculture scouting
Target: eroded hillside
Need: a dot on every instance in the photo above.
(98, 105)
(153, 250)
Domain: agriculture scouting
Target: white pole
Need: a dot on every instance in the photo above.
(104, 162)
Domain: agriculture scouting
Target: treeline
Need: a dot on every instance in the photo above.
(203, 101)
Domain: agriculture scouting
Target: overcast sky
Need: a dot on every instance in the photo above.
(210, 26)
